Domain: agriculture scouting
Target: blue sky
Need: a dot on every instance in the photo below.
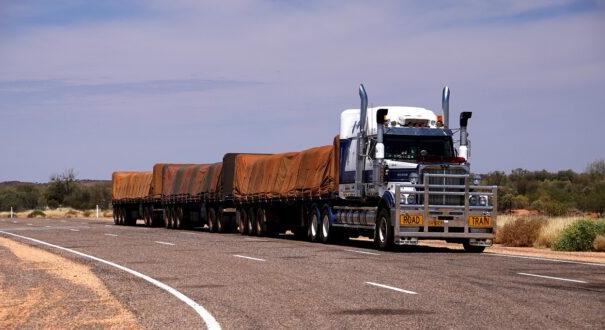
(105, 85)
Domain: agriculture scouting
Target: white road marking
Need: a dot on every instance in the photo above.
(545, 259)
(210, 321)
(553, 278)
(47, 226)
(246, 257)
(255, 239)
(15, 222)
(73, 229)
(113, 235)
(165, 243)
(363, 252)
(391, 288)
(29, 224)
(107, 225)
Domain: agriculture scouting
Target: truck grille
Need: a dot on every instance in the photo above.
(443, 199)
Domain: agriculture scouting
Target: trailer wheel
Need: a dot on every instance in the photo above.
(261, 222)
(313, 224)
(251, 223)
(211, 220)
(471, 248)
(178, 218)
(121, 219)
(242, 221)
(167, 220)
(115, 216)
(221, 226)
(383, 233)
(327, 232)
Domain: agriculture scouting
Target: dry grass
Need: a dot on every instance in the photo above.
(552, 230)
(599, 243)
(522, 231)
(62, 212)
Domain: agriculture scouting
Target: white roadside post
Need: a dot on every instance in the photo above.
(11, 212)
(97, 211)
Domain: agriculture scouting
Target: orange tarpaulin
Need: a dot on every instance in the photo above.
(130, 185)
(309, 173)
(185, 179)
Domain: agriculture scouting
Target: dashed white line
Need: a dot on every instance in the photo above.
(30, 224)
(545, 259)
(210, 321)
(113, 235)
(391, 288)
(553, 278)
(251, 258)
(165, 243)
(47, 226)
(364, 252)
(73, 229)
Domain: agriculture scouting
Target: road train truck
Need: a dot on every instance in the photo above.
(402, 179)
(392, 174)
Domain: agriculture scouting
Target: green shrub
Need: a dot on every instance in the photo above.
(600, 224)
(36, 213)
(579, 236)
(520, 232)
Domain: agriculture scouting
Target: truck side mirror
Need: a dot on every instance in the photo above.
(464, 117)
(381, 116)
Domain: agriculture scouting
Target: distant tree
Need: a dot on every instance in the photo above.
(596, 168)
(60, 186)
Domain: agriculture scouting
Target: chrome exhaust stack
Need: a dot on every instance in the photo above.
(361, 141)
(463, 149)
(445, 106)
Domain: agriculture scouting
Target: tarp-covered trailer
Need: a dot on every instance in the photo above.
(272, 193)
(130, 191)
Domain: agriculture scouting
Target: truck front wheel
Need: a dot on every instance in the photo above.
(383, 233)
(472, 248)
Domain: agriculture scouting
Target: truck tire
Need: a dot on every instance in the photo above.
(116, 218)
(383, 233)
(471, 248)
(327, 234)
(178, 218)
(167, 219)
(261, 222)
(221, 225)
(211, 220)
(146, 217)
(313, 224)
(250, 230)
(242, 221)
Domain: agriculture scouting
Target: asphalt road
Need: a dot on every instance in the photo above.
(257, 282)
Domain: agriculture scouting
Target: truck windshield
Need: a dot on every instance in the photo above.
(410, 148)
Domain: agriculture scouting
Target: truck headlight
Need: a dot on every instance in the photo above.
(411, 199)
(413, 178)
(483, 200)
(476, 179)
(473, 200)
